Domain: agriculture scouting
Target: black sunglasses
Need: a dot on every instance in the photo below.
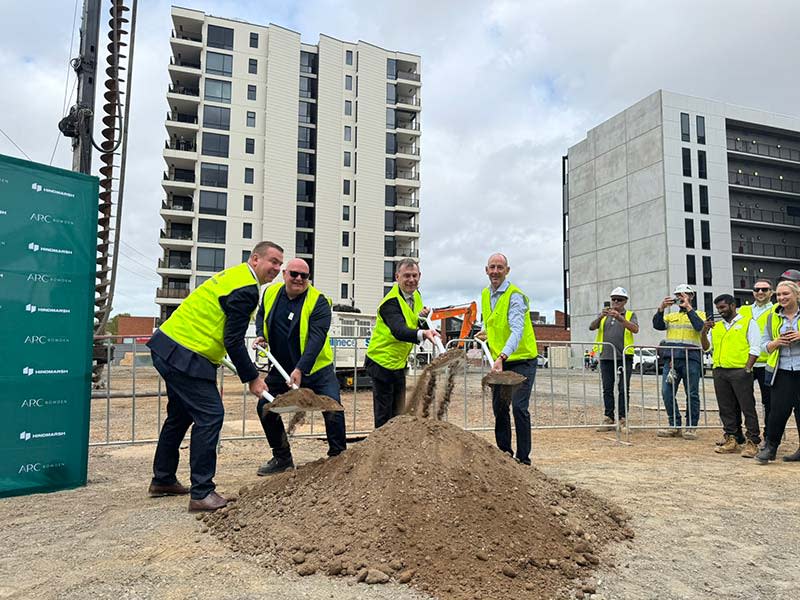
(299, 274)
(765, 289)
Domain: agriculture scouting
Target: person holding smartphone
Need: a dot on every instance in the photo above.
(781, 341)
(615, 328)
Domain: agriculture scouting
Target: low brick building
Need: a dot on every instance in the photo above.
(128, 327)
(549, 332)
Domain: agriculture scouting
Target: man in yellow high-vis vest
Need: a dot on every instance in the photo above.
(187, 349)
(397, 329)
(508, 332)
(736, 342)
(293, 321)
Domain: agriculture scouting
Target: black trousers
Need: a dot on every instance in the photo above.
(734, 391)
(388, 391)
(760, 375)
(189, 400)
(608, 375)
(785, 398)
(520, 401)
(324, 383)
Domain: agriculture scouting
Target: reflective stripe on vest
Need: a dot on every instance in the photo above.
(679, 328)
(325, 356)
(773, 325)
(199, 321)
(747, 311)
(731, 348)
(498, 329)
(384, 348)
(627, 339)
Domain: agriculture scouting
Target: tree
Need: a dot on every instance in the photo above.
(112, 327)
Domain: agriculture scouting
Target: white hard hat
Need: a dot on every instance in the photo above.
(684, 289)
(619, 291)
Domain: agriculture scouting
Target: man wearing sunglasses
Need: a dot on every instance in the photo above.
(293, 320)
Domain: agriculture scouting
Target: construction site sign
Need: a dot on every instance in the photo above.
(48, 248)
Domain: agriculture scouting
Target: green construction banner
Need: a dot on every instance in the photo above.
(48, 249)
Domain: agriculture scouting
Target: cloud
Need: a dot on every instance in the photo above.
(508, 86)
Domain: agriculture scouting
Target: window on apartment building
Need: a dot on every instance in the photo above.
(391, 171)
(391, 93)
(218, 91)
(214, 175)
(308, 87)
(346, 187)
(249, 146)
(391, 119)
(345, 264)
(201, 279)
(308, 62)
(247, 231)
(219, 64)
(220, 37)
(348, 107)
(210, 259)
(685, 127)
(305, 191)
(217, 117)
(305, 163)
(705, 235)
(687, 162)
(348, 82)
(251, 118)
(345, 213)
(345, 238)
(253, 40)
(391, 68)
(707, 270)
(305, 217)
(306, 138)
(213, 203)
(708, 303)
(249, 175)
(211, 231)
(704, 199)
(307, 112)
(348, 57)
(251, 92)
(688, 230)
(390, 195)
(688, 204)
(348, 133)
(247, 204)
(347, 159)
(388, 270)
(252, 66)
(246, 255)
(304, 242)
(391, 143)
(702, 172)
(701, 130)
(215, 144)
(691, 273)
(345, 289)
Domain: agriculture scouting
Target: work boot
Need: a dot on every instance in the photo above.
(690, 433)
(750, 449)
(793, 457)
(276, 465)
(608, 425)
(766, 454)
(210, 503)
(669, 432)
(729, 447)
(623, 424)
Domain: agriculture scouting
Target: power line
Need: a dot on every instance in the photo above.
(15, 145)
(135, 273)
(66, 81)
(150, 270)
(134, 249)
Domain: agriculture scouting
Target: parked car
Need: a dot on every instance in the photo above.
(645, 360)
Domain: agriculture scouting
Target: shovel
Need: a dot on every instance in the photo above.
(505, 378)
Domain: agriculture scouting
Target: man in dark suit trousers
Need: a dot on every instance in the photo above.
(187, 349)
(396, 331)
(294, 319)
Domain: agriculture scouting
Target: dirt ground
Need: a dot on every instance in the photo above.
(706, 526)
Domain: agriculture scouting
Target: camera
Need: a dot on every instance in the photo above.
(606, 304)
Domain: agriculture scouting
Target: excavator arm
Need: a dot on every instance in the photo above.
(469, 313)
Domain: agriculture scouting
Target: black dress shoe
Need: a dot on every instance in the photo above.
(157, 490)
(210, 503)
(276, 465)
(793, 457)
(766, 454)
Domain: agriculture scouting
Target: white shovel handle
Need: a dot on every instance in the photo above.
(265, 394)
(436, 340)
(486, 352)
(281, 370)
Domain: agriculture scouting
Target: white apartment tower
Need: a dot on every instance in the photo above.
(313, 147)
(678, 189)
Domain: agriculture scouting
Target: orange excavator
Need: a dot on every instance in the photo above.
(469, 313)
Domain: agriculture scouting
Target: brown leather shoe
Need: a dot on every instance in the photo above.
(175, 489)
(210, 503)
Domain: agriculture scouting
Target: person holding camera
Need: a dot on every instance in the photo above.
(684, 359)
(615, 327)
(736, 343)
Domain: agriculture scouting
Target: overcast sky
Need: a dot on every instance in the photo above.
(508, 86)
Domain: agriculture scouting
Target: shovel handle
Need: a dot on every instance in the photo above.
(281, 370)
(436, 340)
(265, 394)
(486, 352)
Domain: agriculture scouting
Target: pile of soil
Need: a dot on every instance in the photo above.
(426, 503)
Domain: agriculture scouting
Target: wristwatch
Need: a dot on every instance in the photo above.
(503, 356)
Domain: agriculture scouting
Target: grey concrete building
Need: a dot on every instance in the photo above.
(677, 189)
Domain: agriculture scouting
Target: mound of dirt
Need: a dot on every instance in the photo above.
(426, 503)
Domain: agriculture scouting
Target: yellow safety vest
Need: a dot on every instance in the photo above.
(498, 329)
(680, 330)
(384, 348)
(325, 356)
(731, 347)
(199, 321)
(627, 340)
(747, 311)
(774, 323)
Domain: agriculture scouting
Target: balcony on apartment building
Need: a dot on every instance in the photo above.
(173, 291)
(745, 281)
(178, 175)
(186, 64)
(178, 261)
(181, 122)
(176, 235)
(765, 251)
(393, 248)
(764, 182)
(789, 217)
(763, 149)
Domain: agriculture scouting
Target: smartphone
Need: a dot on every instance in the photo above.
(606, 304)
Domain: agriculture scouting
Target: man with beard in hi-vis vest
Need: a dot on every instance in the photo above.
(293, 321)
(187, 349)
(508, 331)
(397, 330)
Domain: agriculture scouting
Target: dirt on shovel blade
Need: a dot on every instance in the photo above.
(451, 358)
(502, 378)
(302, 400)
